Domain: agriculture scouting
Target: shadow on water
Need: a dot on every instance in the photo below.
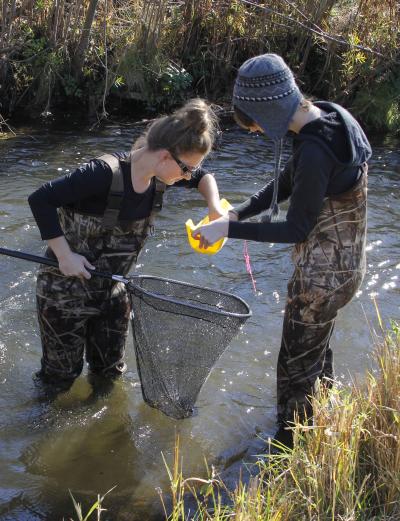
(89, 444)
(86, 444)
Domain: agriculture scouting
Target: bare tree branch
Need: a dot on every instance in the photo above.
(3, 123)
(84, 41)
(318, 32)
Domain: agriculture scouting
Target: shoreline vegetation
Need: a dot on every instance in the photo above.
(134, 57)
(346, 466)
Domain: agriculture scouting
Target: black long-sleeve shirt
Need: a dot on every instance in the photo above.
(86, 191)
(312, 173)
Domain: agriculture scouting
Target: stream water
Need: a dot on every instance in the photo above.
(89, 445)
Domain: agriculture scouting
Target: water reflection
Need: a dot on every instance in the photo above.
(84, 445)
(88, 443)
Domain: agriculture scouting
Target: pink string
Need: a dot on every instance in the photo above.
(248, 265)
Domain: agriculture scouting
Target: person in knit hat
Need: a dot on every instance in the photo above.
(325, 179)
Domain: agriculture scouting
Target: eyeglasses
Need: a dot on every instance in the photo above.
(184, 168)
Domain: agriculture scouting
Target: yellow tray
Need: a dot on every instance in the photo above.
(195, 244)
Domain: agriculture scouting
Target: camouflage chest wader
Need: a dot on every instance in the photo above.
(329, 268)
(78, 316)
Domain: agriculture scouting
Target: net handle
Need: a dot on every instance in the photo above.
(50, 262)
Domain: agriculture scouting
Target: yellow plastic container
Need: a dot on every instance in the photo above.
(195, 244)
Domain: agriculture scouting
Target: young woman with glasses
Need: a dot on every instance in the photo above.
(80, 315)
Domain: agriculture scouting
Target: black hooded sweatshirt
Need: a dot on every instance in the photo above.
(326, 160)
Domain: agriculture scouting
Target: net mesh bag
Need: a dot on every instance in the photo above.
(180, 330)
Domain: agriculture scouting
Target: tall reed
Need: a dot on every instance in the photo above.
(346, 466)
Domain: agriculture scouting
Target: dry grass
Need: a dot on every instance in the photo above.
(345, 467)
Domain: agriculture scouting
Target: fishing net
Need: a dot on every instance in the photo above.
(180, 330)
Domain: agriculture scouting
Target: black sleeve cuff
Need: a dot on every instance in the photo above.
(238, 230)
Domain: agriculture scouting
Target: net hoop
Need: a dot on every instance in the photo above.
(135, 288)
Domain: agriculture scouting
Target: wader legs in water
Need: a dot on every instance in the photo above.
(305, 355)
(329, 268)
(73, 325)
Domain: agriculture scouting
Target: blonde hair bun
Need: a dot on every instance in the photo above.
(197, 115)
(191, 128)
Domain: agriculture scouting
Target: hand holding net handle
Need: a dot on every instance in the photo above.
(54, 263)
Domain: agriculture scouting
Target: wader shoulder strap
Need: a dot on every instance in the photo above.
(157, 203)
(114, 200)
(111, 213)
(158, 196)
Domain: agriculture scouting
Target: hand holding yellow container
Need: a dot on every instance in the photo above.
(195, 243)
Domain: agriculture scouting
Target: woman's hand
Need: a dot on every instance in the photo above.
(74, 265)
(215, 212)
(210, 233)
(70, 264)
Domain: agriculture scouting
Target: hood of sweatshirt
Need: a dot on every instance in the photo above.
(339, 133)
